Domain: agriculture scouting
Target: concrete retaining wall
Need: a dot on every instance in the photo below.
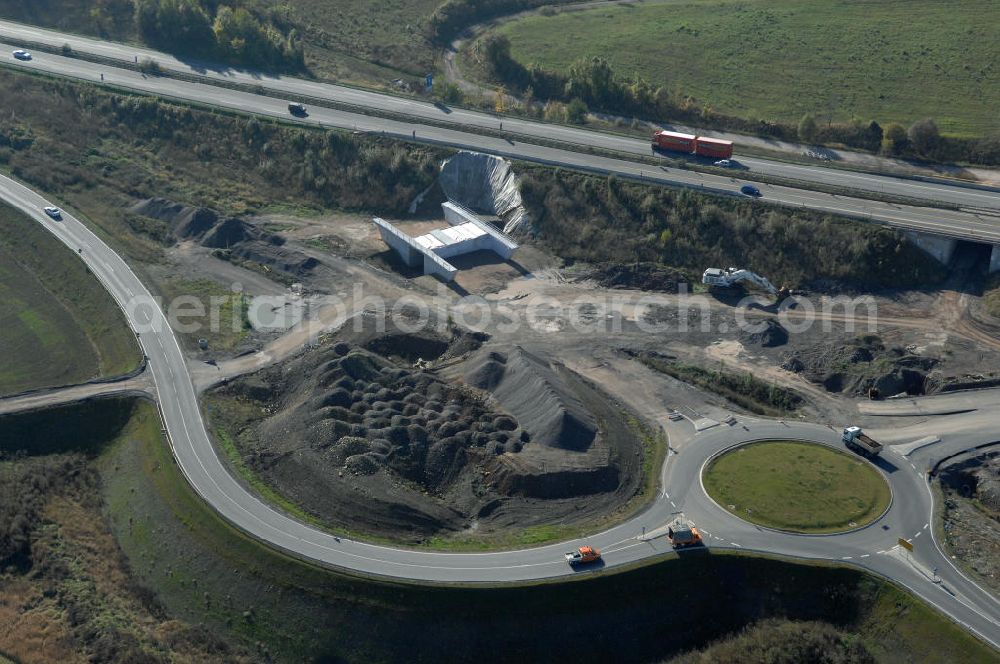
(499, 243)
(399, 242)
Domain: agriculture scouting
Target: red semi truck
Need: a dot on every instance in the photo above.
(675, 142)
(713, 147)
(691, 144)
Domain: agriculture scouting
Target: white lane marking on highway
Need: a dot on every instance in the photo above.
(918, 534)
(925, 526)
(846, 557)
(738, 546)
(864, 555)
(912, 466)
(627, 539)
(882, 551)
(673, 504)
(666, 494)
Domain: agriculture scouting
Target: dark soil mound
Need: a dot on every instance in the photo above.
(487, 372)
(360, 415)
(864, 364)
(410, 347)
(227, 233)
(640, 276)
(531, 389)
(276, 257)
(384, 448)
(186, 222)
(772, 334)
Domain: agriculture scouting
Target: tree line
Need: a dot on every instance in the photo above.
(593, 84)
(454, 16)
(585, 218)
(207, 28)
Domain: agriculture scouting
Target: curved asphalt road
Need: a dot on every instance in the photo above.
(871, 548)
(981, 222)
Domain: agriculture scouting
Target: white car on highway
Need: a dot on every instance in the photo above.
(53, 212)
(21, 54)
(724, 163)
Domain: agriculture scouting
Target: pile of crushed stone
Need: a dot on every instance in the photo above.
(533, 391)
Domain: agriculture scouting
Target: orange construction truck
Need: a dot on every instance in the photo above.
(583, 555)
(681, 534)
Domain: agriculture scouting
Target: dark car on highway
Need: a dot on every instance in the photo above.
(297, 109)
(750, 190)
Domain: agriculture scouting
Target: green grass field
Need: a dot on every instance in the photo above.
(802, 487)
(232, 324)
(890, 60)
(58, 324)
(364, 40)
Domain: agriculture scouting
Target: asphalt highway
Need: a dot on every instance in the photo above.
(464, 118)
(980, 223)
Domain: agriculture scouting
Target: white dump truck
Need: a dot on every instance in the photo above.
(856, 440)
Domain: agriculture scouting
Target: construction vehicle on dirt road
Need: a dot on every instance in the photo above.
(683, 534)
(733, 276)
(583, 555)
(856, 440)
(716, 276)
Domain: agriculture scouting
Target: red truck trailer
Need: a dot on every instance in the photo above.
(713, 147)
(674, 141)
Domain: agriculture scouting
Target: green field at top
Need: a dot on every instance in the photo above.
(883, 60)
(58, 325)
(795, 486)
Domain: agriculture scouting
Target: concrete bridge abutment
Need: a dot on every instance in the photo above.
(937, 246)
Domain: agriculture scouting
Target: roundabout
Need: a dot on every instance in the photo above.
(797, 486)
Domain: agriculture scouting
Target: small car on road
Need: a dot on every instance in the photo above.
(53, 212)
(723, 163)
(750, 190)
(21, 54)
(296, 109)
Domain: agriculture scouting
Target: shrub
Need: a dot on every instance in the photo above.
(576, 112)
(924, 136)
(807, 128)
(895, 140)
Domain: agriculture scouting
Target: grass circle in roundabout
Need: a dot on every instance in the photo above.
(797, 486)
